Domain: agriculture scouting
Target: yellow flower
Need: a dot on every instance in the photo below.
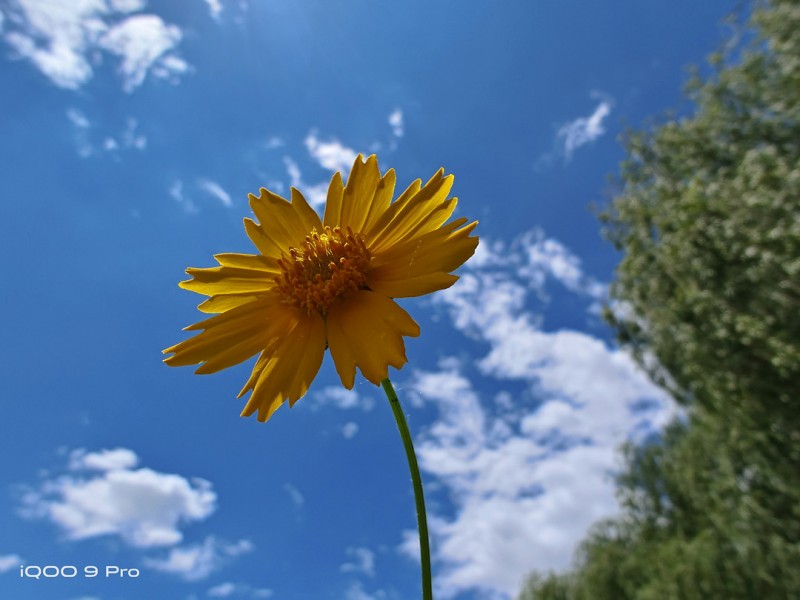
(325, 284)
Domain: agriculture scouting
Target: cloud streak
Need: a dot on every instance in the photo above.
(583, 130)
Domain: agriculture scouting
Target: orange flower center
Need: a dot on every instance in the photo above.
(325, 267)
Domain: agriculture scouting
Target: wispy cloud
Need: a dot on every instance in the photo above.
(361, 561)
(215, 190)
(197, 561)
(349, 430)
(176, 193)
(583, 130)
(228, 589)
(356, 591)
(223, 590)
(214, 9)
(396, 122)
(579, 132)
(103, 494)
(294, 494)
(342, 398)
(60, 38)
(9, 561)
(316, 194)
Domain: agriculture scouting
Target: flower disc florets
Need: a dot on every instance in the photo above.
(325, 267)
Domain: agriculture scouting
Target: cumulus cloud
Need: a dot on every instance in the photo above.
(197, 561)
(140, 41)
(529, 469)
(9, 561)
(66, 40)
(331, 155)
(104, 460)
(103, 494)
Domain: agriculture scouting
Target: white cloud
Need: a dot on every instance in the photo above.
(127, 6)
(140, 41)
(583, 130)
(176, 193)
(273, 142)
(214, 8)
(9, 561)
(129, 137)
(223, 590)
(81, 126)
(342, 399)
(78, 118)
(227, 589)
(143, 507)
(105, 460)
(330, 155)
(316, 194)
(396, 122)
(349, 430)
(528, 471)
(198, 561)
(294, 495)
(65, 39)
(362, 561)
(215, 190)
(356, 591)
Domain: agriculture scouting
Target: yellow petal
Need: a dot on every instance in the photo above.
(228, 280)
(286, 370)
(425, 211)
(413, 286)
(282, 224)
(333, 203)
(365, 198)
(224, 302)
(229, 338)
(366, 331)
(421, 265)
(252, 262)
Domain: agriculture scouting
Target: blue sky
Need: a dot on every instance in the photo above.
(131, 132)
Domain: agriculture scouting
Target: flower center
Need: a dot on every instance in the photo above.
(325, 267)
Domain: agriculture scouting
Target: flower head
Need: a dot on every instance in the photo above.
(329, 283)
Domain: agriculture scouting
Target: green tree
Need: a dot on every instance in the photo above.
(707, 298)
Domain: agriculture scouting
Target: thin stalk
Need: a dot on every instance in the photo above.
(419, 499)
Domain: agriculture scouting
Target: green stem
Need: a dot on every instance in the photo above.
(419, 499)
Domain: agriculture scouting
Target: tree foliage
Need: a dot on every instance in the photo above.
(707, 298)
